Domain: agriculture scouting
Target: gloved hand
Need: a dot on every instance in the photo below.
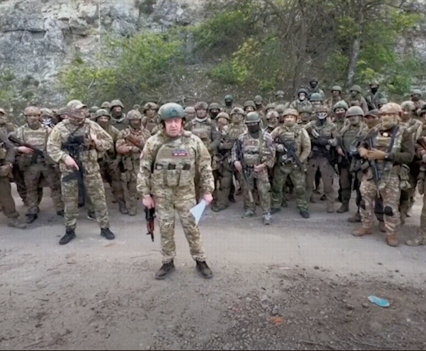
(280, 148)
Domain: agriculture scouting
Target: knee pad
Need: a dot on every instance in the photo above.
(388, 211)
(362, 204)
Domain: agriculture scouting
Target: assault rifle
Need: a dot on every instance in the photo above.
(290, 153)
(373, 164)
(247, 171)
(37, 151)
(149, 216)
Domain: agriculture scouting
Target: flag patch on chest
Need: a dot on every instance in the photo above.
(179, 153)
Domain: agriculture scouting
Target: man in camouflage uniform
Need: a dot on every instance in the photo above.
(279, 97)
(106, 105)
(189, 113)
(382, 101)
(389, 147)
(301, 103)
(258, 101)
(252, 155)
(416, 98)
(150, 119)
(339, 114)
(89, 139)
(349, 138)
(130, 143)
(249, 106)
(374, 95)
(118, 117)
(355, 95)
(314, 88)
(336, 96)
(323, 136)
(290, 138)
(36, 166)
(214, 110)
(92, 111)
(272, 121)
(109, 161)
(7, 203)
(169, 162)
(229, 104)
(316, 100)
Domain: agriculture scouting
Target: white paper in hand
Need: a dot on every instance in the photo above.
(198, 210)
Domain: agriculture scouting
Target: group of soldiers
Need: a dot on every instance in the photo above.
(267, 152)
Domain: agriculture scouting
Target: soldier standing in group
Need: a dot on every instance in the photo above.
(109, 161)
(355, 95)
(374, 95)
(189, 113)
(382, 101)
(169, 162)
(118, 117)
(387, 146)
(229, 104)
(314, 88)
(279, 97)
(34, 165)
(249, 106)
(336, 96)
(258, 101)
(150, 119)
(323, 138)
(316, 100)
(416, 98)
(252, 155)
(106, 105)
(350, 136)
(339, 114)
(85, 139)
(301, 103)
(293, 147)
(214, 110)
(272, 121)
(7, 203)
(130, 143)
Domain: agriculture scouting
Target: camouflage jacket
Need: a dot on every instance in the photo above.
(7, 151)
(296, 134)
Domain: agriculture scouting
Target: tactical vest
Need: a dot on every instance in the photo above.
(252, 150)
(174, 165)
(87, 154)
(36, 138)
(349, 135)
(235, 131)
(203, 130)
(151, 123)
(292, 136)
(131, 162)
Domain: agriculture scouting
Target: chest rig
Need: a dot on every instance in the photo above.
(203, 130)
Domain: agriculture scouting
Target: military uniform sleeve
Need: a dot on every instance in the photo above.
(121, 144)
(364, 105)
(234, 154)
(270, 155)
(10, 150)
(215, 138)
(104, 140)
(335, 137)
(144, 175)
(54, 145)
(406, 155)
(305, 145)
(203, 162)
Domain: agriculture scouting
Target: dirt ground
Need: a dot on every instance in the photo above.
(298, 283)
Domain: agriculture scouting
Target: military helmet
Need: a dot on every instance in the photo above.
(134, 114)
(115, 103)
(32, 110)
(270, 106)
(416, 92)
(279, 92)
(291, 111)
(229, 98)
(106, 105)
(201, 105)
(341, 104)
(383, 101)
(390, 108)
(356, 88)
(136, 107)
(223, 115)
(374, 82)
(249, 103)
(150, 105)
(76, 104)
(302, 90)
(408, 105)
(2, 111)
(214, 106)
(102, 112)
(322, 108)
(280, 108)
(46, 112)
(252, 117)
(171, 110)
(336, 88)
(271, 114)
(93, 109)
(258, 99)
(238, 110)
(315, 97)
(354, 111)
(188, 108)
(374, 113)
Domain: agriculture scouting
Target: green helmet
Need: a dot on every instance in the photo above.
(279, 92)
(214, 106)
(116, 103)
(93, 109)
(356, 88)
(416, 92)
(101, 112)
(252, 117)
(134, 114)
(171, 110)
(336, 88)
(408, 106)
(383, 101)
(302, 90)
(354, 111)
(315, 97)
(106, 105)
(280, 108)
(258, 99)
(340, 104)
(270, 106)
(374, 82)
(229, 98)
(249, 103)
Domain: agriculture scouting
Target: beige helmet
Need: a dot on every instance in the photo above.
(116, 103)
(223, 115)
(46, 112)
(239, 110)
(272, 114)
(76, 104)
(390, 108)
(150, 105)
(106, 105)
(32, 110)
(354, 111)
(408, 105)
(134, 114)
(291, 111)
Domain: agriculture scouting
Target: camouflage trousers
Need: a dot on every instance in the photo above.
(263, 187)
(390, 195)
(165, 208)
(111, 174)
(18, 177)
(129, 182)
(224, 190)
(95, 190)
(297, 176)
(348, 181)
(327, 173)
(6, 199)
(32, 176)
(423, 220)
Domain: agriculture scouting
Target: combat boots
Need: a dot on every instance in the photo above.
(330, 207)
(31, 218)
(343, 208)
(355, 219)
(304, 213)
(165, 269)
(361, 231)
(60, 213)
(392, 240)
(382, 226)
(249, 213)
(91, 215)
(204, 270)
(107, 234)
(420, 240)
(122, 207)
(16, 223)
(133, 211)
(312, 199)
(69, 235)
(267, 218)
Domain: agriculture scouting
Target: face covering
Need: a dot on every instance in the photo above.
(47, 122)
(213, 114)
(354, 93)
(313, 84)
(254, 128)
(415, 98)
(374, 90)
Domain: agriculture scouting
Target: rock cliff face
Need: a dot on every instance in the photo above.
(38, 37)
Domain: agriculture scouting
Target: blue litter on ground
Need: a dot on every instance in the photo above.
(379, 301)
